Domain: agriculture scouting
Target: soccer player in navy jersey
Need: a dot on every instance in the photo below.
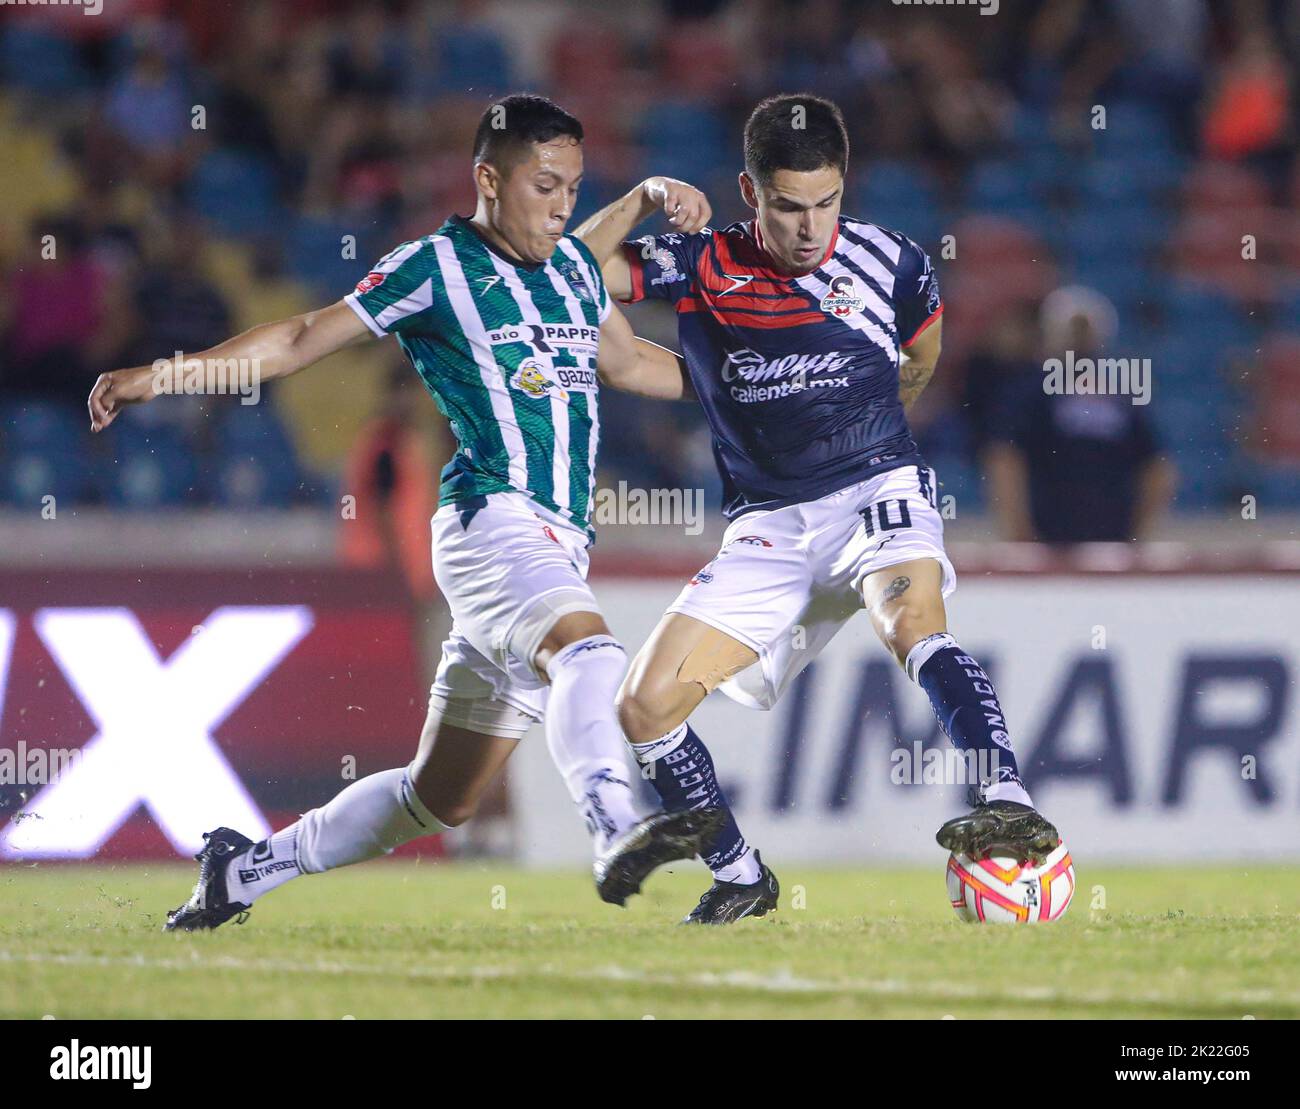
(807, 334)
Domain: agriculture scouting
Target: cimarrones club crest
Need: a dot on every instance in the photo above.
(842, 298)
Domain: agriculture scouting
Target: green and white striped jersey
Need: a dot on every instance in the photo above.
(508, 352)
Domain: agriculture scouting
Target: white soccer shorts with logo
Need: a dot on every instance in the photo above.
(786, 580)
(508, 569)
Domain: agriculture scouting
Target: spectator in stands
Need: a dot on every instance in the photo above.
(391, 473)
(1070, 468)
(58, 313)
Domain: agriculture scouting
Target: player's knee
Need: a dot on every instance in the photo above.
(641, 713)
(904, 626)
(449, 807)
(454, 815)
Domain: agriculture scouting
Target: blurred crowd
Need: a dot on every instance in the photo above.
(176, 170)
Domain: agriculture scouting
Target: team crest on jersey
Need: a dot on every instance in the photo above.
(842, 298)
(531, 379)
(372, 280)
(578, 283)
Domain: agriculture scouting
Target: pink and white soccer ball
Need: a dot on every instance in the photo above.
(1001, 891)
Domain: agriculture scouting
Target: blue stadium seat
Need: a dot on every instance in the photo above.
(998, 186)
(314, 254)
(476, 51)
(1132, 125)
(44, 450)
(888, 183)
(236, 191)
(40, 62)
(688, 140)
(152, 466)
(254, 464)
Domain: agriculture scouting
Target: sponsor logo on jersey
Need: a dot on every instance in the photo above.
(738, 281)
(666, 260)
(753, 541)
(372, 280)
(548, 337)
(842, 298)
(702, 578)
(531, 379)
(792, 373)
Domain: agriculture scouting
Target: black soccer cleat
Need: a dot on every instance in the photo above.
(208, 907)
(1000, 828)
(728, 902)
(662, 838)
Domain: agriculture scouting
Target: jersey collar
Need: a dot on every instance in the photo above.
(770, 262)
(504, 255)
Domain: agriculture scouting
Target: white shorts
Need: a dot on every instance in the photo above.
(508, 574)
(786, 580)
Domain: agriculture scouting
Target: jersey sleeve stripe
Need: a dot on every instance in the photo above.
(636, 266)
(926, 323)
(355, 304)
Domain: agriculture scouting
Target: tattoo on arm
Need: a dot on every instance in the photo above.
(913, 377)
(895, 589)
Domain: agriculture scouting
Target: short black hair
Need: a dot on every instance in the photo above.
(515, 122)
(797, 131)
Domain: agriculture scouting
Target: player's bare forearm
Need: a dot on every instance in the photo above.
(685, 206)
(260, 354)
(917, 367)
(639, 366)
(913, 377)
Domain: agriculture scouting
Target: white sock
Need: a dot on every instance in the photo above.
(744, 870)
(1007, 791)
(584, 736)
(370, 818)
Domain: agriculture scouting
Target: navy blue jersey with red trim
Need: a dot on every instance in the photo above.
(798, 376)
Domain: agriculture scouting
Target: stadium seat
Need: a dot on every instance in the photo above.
(150, 466)
(236, 191)
(683, 139)
(254, 464)
(43, 451)
(39, 62)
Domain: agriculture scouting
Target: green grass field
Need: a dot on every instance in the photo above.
(487, 940)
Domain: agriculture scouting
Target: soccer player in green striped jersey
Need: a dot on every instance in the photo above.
(507, 321)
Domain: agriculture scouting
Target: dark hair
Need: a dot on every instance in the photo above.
(515, 122)
(799, 131)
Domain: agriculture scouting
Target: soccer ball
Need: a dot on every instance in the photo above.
(1001, 891)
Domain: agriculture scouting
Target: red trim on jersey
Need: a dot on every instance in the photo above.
(636, 264)
(933, 316)
(716, 285)
(732, 315)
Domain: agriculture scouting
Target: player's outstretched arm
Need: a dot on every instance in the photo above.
(685, 206)
(638, 365)
(267, 351)
(922, 355)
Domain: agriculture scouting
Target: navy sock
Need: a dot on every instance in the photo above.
(964, 700)
(682, 774)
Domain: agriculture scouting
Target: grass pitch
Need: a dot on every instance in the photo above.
(405, 940)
